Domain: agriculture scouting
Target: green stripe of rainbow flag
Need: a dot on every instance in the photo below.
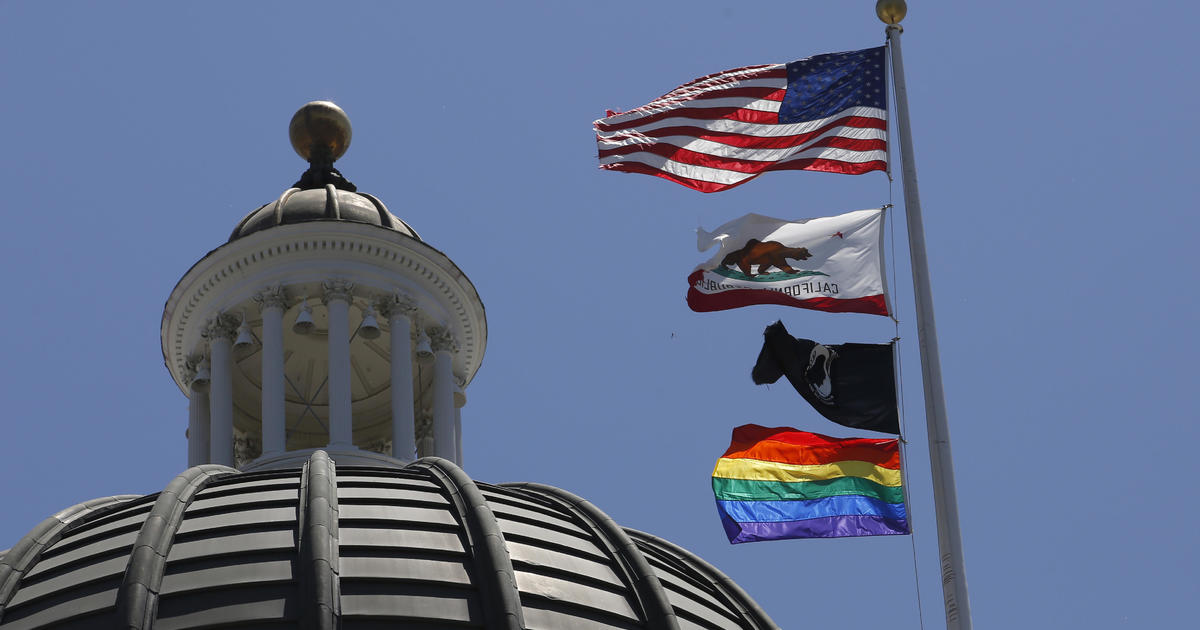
(743, 490)
(776, 483)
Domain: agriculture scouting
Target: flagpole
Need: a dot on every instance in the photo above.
(954, 578)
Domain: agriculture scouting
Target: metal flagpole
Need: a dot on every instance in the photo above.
(954, 579)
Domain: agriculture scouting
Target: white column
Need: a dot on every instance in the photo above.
(399, 309)
(458, 435)
(198, 442)
(460, 401)
(220, 334)
(444, 440)
(337, 299)
(425, 431)
(271, 302)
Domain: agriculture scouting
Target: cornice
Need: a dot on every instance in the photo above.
(376, 259)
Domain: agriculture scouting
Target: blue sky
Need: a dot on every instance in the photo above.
(1055, 150)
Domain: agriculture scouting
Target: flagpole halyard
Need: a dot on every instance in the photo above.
(954, 585)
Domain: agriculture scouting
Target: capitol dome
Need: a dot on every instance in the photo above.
(326, 353)
(326, 546)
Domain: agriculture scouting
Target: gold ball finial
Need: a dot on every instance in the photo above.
(320, 131)
(891, 11)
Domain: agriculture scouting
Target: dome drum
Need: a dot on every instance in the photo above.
(373, 271)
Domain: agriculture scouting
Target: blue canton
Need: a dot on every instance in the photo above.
(823, 85)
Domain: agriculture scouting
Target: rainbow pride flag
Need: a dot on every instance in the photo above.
(782, 483)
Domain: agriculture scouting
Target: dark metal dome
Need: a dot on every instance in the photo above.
(356, 547)
(320, 133)
(321, 204)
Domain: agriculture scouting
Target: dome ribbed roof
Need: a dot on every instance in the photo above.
(320, 132)
(356, 547)
(321, 204)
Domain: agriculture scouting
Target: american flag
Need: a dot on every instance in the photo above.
(824, 113)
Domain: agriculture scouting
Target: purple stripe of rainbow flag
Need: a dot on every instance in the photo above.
(778, 483)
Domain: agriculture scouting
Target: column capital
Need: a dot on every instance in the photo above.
(191, 365)
(246, 447)
(423, 424)
(223, 326)
(271, 296)
(440, 338)
(399, 303)
(337, 289)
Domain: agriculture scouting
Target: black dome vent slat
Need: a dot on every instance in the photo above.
(751, 612)
(23, 556)
(137, 598)
(644, 583)
(485, 542)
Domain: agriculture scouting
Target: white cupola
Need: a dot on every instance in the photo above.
(324, 323)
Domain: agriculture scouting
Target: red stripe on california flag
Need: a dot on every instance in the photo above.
(736, 298)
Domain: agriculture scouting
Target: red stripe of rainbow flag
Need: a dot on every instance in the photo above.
(778, 483)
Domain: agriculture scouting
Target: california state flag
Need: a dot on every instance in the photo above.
(830, 264)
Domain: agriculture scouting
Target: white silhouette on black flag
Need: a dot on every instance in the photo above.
(852, 384)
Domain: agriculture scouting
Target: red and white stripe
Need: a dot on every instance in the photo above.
(722, 130)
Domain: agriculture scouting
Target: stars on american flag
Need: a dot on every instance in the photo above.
(822, 85)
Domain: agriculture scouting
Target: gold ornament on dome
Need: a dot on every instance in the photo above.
(320, 131)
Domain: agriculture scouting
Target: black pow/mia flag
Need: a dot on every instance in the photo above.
(852, 384)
